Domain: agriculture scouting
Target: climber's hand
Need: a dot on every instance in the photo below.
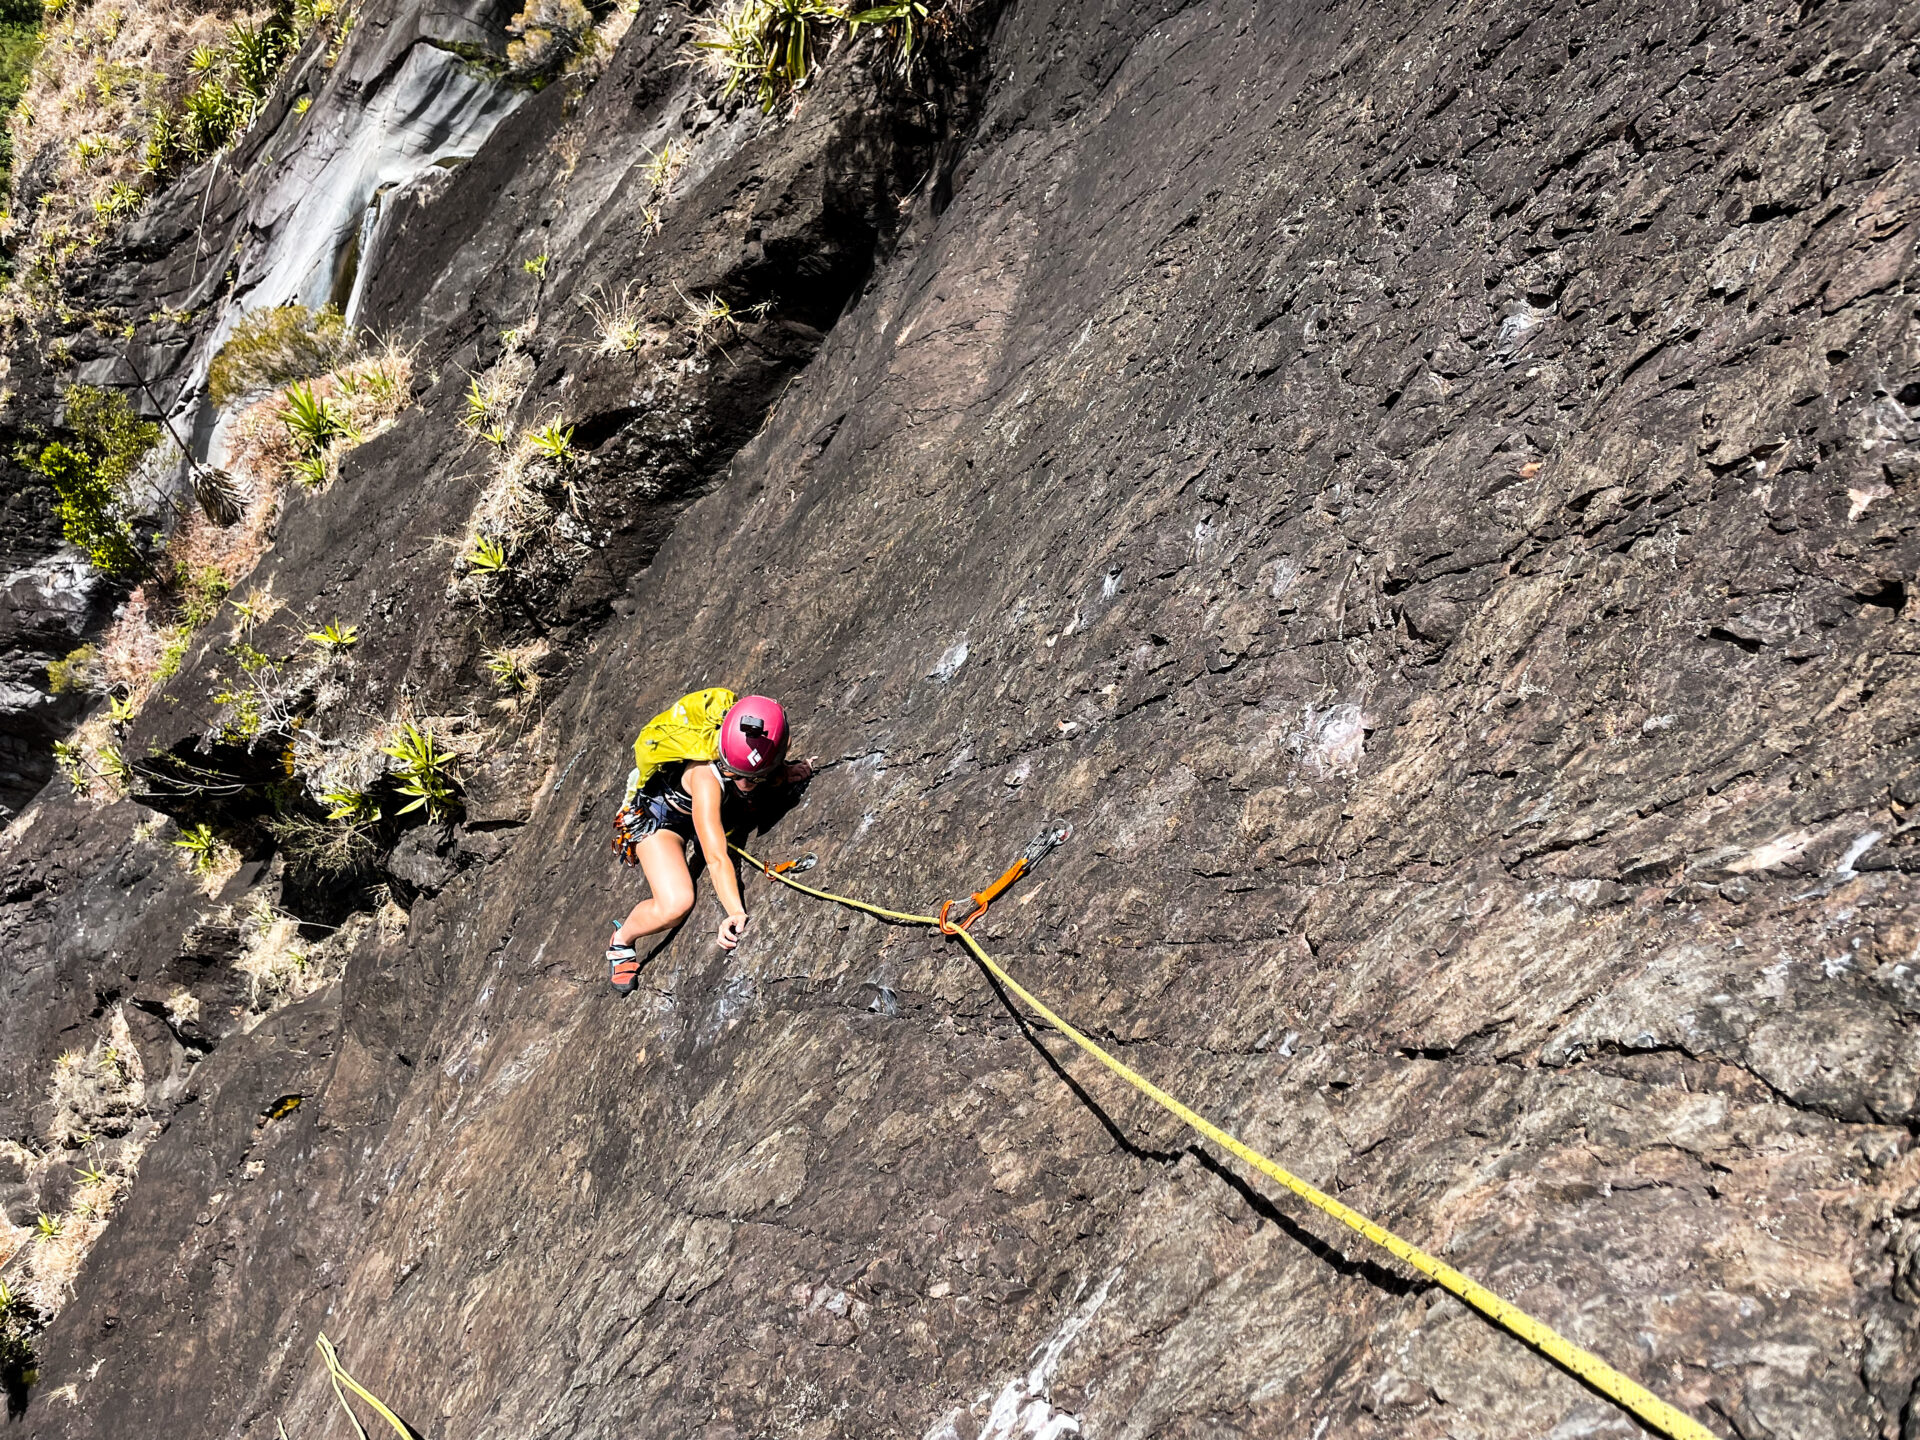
(731, 929)
(799, 772)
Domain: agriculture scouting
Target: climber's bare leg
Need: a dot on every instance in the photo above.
(663, 860)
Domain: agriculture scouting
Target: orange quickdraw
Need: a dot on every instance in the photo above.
(797, 867)
(1042, 844)
(982, 898)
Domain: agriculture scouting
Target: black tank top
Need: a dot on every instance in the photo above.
(668, 785)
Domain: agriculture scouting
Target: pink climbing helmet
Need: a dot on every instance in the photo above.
(753, 736)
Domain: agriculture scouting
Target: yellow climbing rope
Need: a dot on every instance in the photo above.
(1624, 1392)
(338, 1374)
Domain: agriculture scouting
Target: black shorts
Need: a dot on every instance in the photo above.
(662, 816)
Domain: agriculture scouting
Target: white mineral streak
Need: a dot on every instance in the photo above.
(1859, 847)
(340, 183)
(434, 108)
(1332, 741)
(1777, 851)
(1023, 1410)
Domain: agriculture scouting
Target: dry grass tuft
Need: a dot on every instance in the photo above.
(514, 672)
(527, 495)
(280, 967)
(361, 398)
(199, 546)
(273, 957)
(620, 320)
(493, 394)
(714, 318)
(97, 1092)
(82, 120)
(53, 1262)
(183, 1006)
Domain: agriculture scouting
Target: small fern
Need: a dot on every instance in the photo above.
(202, 847)
(486, 556)
(505, 670)
(333, 637)
(554, 442)
(425, 772)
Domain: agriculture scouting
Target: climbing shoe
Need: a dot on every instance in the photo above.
(623, 966)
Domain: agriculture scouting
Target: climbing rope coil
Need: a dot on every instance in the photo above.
(1624, 1392)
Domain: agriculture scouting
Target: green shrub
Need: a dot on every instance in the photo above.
(766, 46)
(334, 638)
(312, 420)
(255, 54)
(425, 772)
(311, 471)
(555, 442)
(903, 18)
(235, 80)
(89, 474)
(486, 556)
(71, 763)
(209, 116)
(505, 670)
(78, 674)
(19, 47)
(546, 34)
(203, 848)
(202, 588)
(276, 347)
(356, 807)
(163, 143)
(243, 722)
(18, 1321)
(116, 767)
(173, 651)
(120, 199)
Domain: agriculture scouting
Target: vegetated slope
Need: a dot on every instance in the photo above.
(1430, 499)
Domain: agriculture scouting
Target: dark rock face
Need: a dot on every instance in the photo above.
(1431, 499)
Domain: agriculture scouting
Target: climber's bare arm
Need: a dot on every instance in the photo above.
(704, 788)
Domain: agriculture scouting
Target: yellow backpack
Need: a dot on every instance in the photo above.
(687, 730)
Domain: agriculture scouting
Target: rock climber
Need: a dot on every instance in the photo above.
(708, 765)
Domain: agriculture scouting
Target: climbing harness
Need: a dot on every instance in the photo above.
(633, 824)
(337, 1373)
(1626, 1393)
